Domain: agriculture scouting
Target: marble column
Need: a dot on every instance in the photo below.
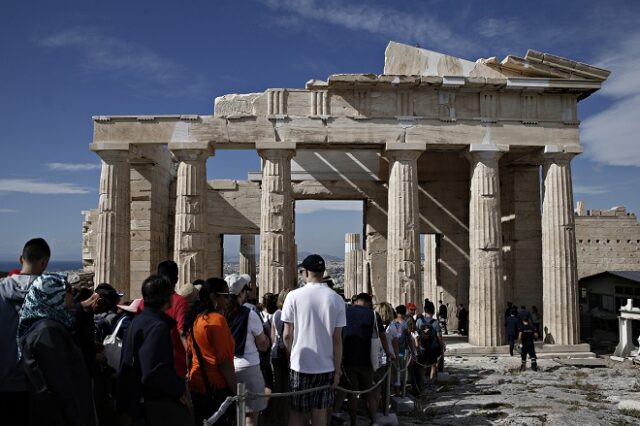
(486, 291)
(277, 244)
(191, 239)
(112, 264)
(248, 258)
(351, 266)
(403, 225)
(559, 264)
(430, 278)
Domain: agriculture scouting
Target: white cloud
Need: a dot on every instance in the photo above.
(138, 65)
(499, 27)
(9, 211)
(73, 167)
(407, 27)
(32, 186)
(312, 206)
(590, 190)
(612, 137)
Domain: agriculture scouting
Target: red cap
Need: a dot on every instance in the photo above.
(411, 305)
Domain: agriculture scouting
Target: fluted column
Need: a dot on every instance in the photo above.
(351, 266)
(248, 258)
(486, 291)
(559, 265)
(191, 239)
(403, 226)
(114, 240)
(276, 217)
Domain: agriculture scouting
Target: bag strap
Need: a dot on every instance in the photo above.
(375, 326)
(205, 379)
(115, 331)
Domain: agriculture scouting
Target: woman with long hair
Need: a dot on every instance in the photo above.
(211, 347)
(248, 333)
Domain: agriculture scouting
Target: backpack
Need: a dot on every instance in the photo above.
(427, 340)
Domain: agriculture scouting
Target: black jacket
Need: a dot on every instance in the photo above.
(512, 324)
(146, 366)
(58, 383)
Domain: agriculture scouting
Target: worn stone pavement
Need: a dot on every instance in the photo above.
(492, 391)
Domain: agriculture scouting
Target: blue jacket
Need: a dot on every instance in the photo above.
(146, 366)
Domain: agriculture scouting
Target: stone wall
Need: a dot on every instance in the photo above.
(607, 240)
(443, 179)
(521, 234)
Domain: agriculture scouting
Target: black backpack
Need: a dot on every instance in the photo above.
(427, 340)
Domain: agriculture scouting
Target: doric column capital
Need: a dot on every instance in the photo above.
(485, 153)
(404, 151)
(554, 154)
(191, 151)
(271, 150)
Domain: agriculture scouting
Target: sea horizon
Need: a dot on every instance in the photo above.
(54, 265)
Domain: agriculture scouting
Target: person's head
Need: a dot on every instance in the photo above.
(525, 320)
(169, 269)
(461, 305)
(239, 286)
(440, 302)
(35, 257)
(428, 310)
(270, 302)
(327, 279)
(386, 312)
(509, 304)
(282, 296)
(524, 308)
(49, 297)
(401, 311)
(109, 298)
(364, 299)
(213, 296)
(313, 268)
(412, 308)
(156, 292)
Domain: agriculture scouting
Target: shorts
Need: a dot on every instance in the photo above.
(358, 378)
(254, 383)
(318, 400)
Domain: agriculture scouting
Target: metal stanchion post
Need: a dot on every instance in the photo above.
(387, 396)
(241, 406)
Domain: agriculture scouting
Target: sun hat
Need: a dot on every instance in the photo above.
(237, 282)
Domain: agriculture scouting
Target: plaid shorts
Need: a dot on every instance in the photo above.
(309, 401)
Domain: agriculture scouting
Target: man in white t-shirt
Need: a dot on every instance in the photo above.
(313, 318)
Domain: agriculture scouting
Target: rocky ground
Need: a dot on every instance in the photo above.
(492, 390)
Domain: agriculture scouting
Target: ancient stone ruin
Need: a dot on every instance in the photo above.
(435, 146)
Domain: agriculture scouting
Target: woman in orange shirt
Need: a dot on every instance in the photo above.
(211, 348)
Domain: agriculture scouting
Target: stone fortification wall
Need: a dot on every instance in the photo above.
(607, 240)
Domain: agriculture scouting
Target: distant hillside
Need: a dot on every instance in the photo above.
(235, 257)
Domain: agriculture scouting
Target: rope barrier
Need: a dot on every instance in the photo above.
(250, 395)
(223, 409)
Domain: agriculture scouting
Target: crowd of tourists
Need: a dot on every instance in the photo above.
(82, 357)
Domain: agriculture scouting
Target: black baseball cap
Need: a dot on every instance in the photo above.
(313, 263)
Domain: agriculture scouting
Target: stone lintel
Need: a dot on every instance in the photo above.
(191, 151)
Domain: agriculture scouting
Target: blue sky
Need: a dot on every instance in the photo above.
(64, 61)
